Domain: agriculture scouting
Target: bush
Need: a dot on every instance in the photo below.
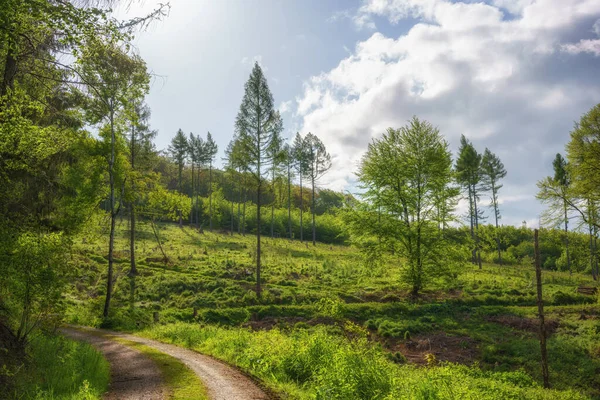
(225, 316)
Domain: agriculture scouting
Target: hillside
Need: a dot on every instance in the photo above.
(482, 319)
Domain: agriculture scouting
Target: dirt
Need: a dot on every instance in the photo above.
(456, 349)
(222, 381)
(133, 376)
(524, 324)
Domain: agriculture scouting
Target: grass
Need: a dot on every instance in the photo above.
(323, 290)
(62, 369)
(314, 364)
(181, 382)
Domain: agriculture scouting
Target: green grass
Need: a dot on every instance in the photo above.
(181, 382)
(325, 287)
(313, 364)
(62, 369)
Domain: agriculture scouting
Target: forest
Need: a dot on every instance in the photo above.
(407, 286)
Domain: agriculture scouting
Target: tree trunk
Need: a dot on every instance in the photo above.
(301, 212)
(244, 209)
(180, 213)
(472, 226)
(192, 197)
(314, 231)
(540, 304)
(496, 213)
(258, 199)
(239, 209)
(567, 237)
(289, 201)
(132, 268)
(232, 214)
(210, 196)
(111, 239)
(10, 69)
(476, 228)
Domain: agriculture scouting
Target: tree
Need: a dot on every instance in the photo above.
(276, 157)
(288, 159)
(114, 79)
(256, 123)
(468, 169)
(179, 152)
(140, 149)
(210, 151)
(493, 171)
(403, 170)
(561, 177)
(300, 157)
(318, 163)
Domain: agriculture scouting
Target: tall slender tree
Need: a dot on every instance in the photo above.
(318, 163)
(468, 169)
(492, 172)
(209, 153)
(256, 123)
(179, 152)
(115, 79)
(301, 166)
(289, 164)
(276, 159)
(193, 155)
(561, 177)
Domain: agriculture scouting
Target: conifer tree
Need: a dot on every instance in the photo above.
(210, 151)
(318, 162)
(468, 168)
(300, 164)
(561, 178)
(179, 152)
(255, 125)
(492, 172)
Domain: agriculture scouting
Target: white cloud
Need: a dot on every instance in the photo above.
(284, 106)
(506, 83)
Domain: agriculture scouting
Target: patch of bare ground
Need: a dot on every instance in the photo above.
(456, 349)
(524, 324)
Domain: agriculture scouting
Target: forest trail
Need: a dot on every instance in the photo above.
(131, 377)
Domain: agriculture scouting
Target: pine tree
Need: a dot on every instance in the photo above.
(209, 155)
(318, 163)
(468, 168)
(179, 152)
(300, 164)
(276, 159)
(289, 163)
(256, 123)
(561, 178)
(492, 172)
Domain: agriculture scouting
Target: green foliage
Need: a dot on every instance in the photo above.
(314, 364)
(62, 369)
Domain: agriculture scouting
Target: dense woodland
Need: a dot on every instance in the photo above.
(98, 226)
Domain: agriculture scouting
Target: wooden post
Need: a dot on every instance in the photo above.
(540, 303)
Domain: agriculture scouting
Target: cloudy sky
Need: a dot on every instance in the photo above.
(511, 75)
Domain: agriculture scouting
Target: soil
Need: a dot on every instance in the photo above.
(133, 376)
(222, 381)
(524, 324)
(456, 349)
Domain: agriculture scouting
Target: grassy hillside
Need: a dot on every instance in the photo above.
(332, 303)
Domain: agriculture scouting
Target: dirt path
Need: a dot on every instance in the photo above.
(133, 376)
(221, 380)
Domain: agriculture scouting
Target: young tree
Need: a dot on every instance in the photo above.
(255, 125)
(468, 169)
(561, 177)
(210, 151)
(289, 163)
(493, 171)
(276, 159)
(300, 164)
(114, 79)
(403, 171)
(140, 150)
(179, 152)
(318, 163)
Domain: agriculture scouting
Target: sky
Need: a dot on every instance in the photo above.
(511, 75)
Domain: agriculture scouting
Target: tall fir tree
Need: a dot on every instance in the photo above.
(179, 152)
(256, 124)
(318, 162)
(300, 164)
(493, 171)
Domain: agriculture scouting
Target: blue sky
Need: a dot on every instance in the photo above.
(512, 75)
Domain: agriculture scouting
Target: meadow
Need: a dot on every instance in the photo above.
(334, 322)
